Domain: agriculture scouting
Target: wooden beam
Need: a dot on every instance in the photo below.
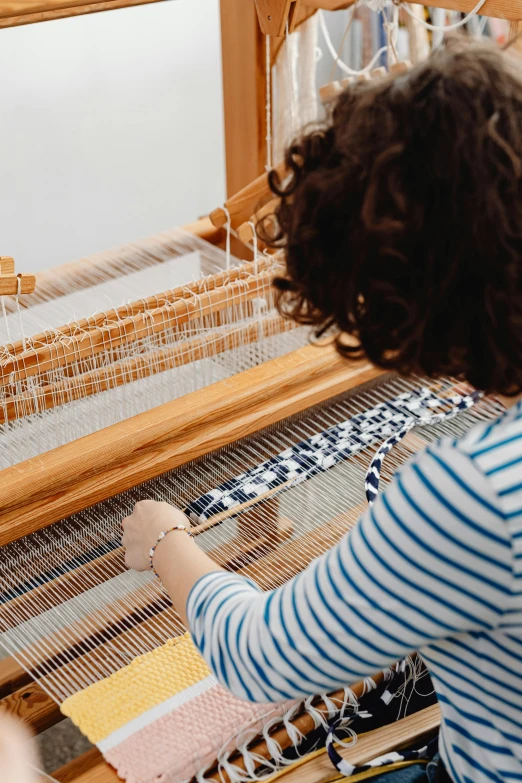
(10, 285)
(90, 767)
(375, 743)
(12, 676)
(18, 12)
(515, 30)
(242, 205)
(274, 15)
(32, 706)
(244, 90)
(54, 485)
(7, 265)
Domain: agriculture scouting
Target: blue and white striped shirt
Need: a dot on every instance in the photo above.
(436, 566)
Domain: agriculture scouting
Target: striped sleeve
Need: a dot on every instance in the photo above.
(430, 559)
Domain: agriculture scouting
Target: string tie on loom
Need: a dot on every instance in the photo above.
(391, 28)
(268, 76)
(273, 747)
(296, 736)
(19, 310)
(342, 65)
(6, 320)
(228, 230)
(290, 65)
(331, 707)
(375, 5)
(444, 28)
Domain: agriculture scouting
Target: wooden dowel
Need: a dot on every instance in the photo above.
(330, 92)
(7, 266)
(304, 723)
(11, 285)
(35, 361)
(243, 204)
(398, 68)
(399, 734)
(122, 372)
(245, 231)
(205, 284)
(90, 767)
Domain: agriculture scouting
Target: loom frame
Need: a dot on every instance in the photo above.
(296, 383)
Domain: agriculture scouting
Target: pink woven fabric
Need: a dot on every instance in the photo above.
(176, 746)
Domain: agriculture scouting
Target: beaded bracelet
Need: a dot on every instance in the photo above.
(160, 538)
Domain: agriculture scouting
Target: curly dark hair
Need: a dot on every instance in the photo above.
(402, 219)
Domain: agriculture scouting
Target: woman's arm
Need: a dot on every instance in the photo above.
(177, 560)
(430, 559)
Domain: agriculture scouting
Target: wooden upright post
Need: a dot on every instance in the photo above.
(244, 93)
(515, 29)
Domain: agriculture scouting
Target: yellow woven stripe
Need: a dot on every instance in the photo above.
(146, 682)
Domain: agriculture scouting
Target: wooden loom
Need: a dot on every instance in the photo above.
(160, 440)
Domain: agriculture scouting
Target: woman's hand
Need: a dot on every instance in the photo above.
(142, 528)
(178, 561)
(17, 755)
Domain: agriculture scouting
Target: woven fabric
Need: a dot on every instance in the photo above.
(322, 451)
(164, 717)
(148, 681)
(181, 743)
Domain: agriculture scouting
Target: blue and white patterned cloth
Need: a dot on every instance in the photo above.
(388, 421)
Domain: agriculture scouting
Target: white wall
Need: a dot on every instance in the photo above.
(111, 129)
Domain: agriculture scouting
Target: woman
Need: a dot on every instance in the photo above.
(403, 227)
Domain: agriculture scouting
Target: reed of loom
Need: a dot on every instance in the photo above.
(68, 479)
(65, 346)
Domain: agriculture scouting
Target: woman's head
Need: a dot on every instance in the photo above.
(402, 220)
